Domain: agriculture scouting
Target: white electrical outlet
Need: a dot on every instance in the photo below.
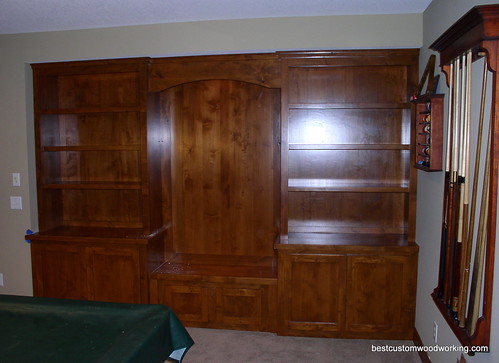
(16, 180)
(16, 203)
(1, 279)
(435, 331)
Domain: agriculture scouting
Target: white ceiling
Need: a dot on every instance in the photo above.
(22, 16)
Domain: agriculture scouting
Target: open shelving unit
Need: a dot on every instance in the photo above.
(99, 219)
(347, 193)
(346, 145)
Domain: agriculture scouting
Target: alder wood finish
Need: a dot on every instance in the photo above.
(103, 272)
(478, 31)
(313, 302)
(220, 189)
(381, 292)
(223, 158)
(346, 136)
(347, 255)
(202, 183)
(97, 177)
(258, 69)
(347, 291)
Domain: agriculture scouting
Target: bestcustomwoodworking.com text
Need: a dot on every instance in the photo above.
(429, 348)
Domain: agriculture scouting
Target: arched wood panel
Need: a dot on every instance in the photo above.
(224, 166)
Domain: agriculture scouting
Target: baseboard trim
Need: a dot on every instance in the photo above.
(419, 343)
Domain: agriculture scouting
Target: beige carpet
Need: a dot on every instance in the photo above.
(230, 346)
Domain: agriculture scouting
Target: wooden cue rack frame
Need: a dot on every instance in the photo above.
(477, 31)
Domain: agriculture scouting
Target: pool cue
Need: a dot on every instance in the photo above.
(479, 261)
(445, 212)
(463, 178)
(466, 260)
(449, 255)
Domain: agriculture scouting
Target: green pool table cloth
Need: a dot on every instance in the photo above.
(58, 330)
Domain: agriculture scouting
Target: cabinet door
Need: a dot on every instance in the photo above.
(311, 294)
(241, 307)
(115, 275)
(58, 271)
(189, 300)
(380, 293)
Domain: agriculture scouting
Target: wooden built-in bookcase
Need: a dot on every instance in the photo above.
(347, 194)
(270, 192)
(100, 222)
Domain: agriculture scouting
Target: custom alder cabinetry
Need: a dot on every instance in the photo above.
(347, 291)
(270, 192)
(89, 270)
(100, 223)
(220, 189)
(347, 194)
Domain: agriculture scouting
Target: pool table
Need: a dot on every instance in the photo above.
(34, 329)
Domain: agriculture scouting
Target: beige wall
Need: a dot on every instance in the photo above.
(17, 51)
(438, 17)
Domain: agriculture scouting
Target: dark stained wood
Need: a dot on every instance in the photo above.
(348, 85)
(227, 302)
(99, 180)
(477, 30)
(58, 271)
(106, 268)
(260, 69)
(347, 212)
(96, 165)
(381, 293)
(311, 294)
(116, 275)
(347, 291)
(418, 342)
(223, 169)
(181, 191)
(341, 126)
(347, 194)
(478, 27)
(220, 172)
(429, 132)
(346, 166)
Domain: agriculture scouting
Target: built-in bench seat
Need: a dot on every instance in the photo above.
(215, 291)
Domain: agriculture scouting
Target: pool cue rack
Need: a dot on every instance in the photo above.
(428, 145)
(477, 32)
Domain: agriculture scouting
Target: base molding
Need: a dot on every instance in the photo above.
(419, 343)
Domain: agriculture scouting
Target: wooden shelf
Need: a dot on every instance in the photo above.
(339, 185)
(91, 148)
(349, 146)
(359, 105)
(94, 185)
(94, 159)
(79, 233)
(116, 160)
(90, 110)
(346, 239)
